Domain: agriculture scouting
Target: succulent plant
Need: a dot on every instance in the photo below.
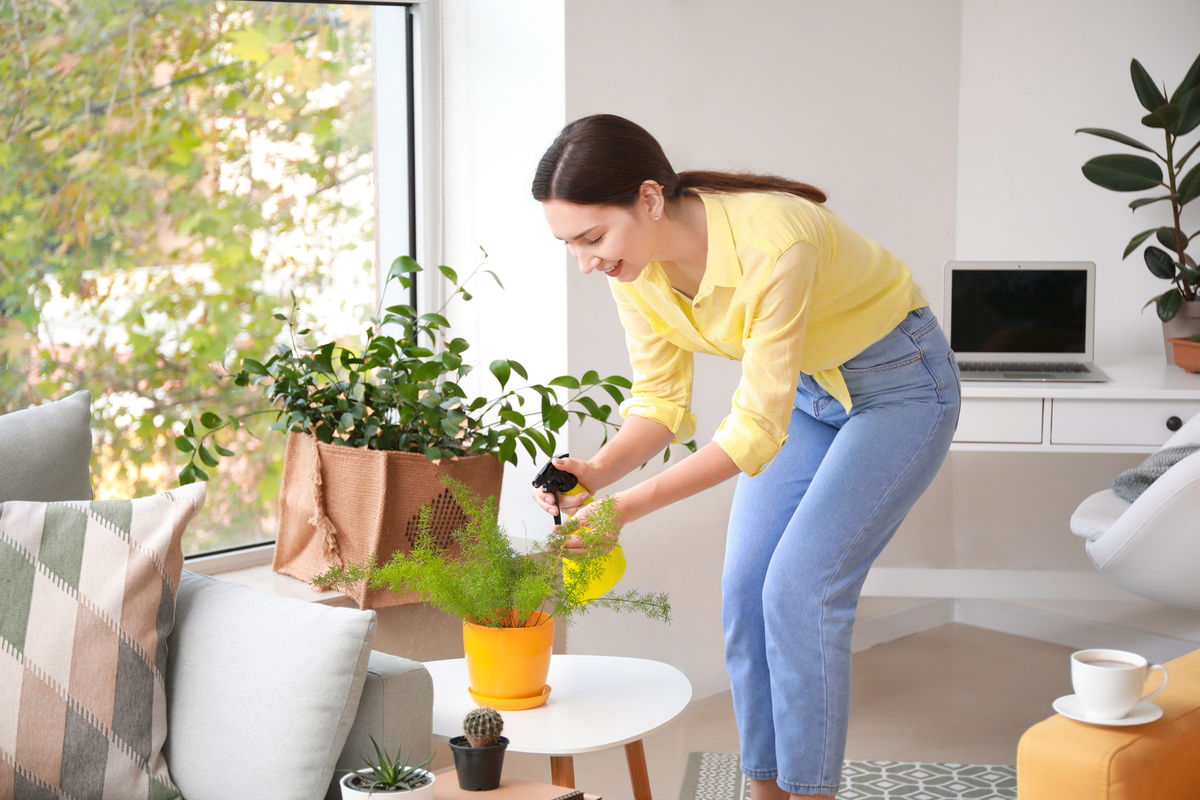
(390, 773)
(482, 726)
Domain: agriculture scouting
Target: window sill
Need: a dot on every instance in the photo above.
(252, 568)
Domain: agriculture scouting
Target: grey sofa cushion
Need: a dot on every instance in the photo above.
(261, 691)
(45, 450)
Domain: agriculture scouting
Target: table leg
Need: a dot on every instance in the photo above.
(635, 756)
(562, 771)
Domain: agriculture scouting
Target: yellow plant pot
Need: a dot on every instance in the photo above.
(507, 667)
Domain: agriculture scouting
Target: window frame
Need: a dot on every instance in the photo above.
(407, 183)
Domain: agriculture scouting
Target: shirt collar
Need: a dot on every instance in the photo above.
(722, 267)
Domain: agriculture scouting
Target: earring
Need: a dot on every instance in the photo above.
(656, 219)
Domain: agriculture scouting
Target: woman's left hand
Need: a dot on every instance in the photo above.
(574, 545)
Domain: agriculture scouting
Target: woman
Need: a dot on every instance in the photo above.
(846, 406)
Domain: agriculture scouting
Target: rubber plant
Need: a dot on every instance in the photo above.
(1174, 116)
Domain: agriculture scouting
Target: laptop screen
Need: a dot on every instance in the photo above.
(1019, 310)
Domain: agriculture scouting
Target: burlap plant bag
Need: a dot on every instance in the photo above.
(341, 505)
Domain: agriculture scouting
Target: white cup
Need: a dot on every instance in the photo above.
(1109, 683)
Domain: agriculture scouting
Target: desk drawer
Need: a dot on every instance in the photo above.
(1008, 421)
(1117, 422)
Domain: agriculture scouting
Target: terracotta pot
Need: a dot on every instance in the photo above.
(1187, 354)
(1185, 323)
(507, 667)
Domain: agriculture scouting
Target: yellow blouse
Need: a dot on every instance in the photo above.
(787, 288)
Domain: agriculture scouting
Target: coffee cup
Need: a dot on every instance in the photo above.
(1109, 683)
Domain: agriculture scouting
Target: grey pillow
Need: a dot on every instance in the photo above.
(45, 450)
(261, 691)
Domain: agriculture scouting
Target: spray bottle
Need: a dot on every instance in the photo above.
(560, 482)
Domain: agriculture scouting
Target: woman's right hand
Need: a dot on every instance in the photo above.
(585, 473)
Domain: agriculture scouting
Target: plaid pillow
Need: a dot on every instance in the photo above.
(87, 600)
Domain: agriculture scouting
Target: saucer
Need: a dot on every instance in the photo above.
(511, 703)
(1143, 712)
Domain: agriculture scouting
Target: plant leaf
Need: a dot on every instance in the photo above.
(1168, 304)
(404, 265)
(1159, 263)
(501, 369)
(565, 381)
(1166, 116)
(184, 444)
(1167, 237)
(1190, 81)
(1148, 94)
(1123, 172)
(1116, 137)
(1189, 108)
(1189, 187)
(1145, 201)
(450, 274)
(1137, 240)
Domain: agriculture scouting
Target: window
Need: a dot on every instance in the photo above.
(171, 175)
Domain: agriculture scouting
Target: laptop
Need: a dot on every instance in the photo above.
(1022, 320)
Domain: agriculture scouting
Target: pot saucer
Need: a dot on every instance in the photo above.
(1143, 712)
(511, 703)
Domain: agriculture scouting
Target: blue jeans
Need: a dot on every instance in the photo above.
(804, 532)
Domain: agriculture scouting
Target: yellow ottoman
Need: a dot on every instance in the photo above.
(1061, 759)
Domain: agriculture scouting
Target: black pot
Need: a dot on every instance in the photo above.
(478, 768)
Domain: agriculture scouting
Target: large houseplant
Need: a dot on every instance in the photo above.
(1175, 116)
(507, 600)
(373, 427)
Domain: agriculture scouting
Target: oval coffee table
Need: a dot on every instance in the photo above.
(595, 702)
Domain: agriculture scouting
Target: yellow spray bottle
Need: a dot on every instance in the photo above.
(560, 482)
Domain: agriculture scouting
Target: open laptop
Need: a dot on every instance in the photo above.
(1022, 320)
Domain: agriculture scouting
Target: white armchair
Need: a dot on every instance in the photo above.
(1151, 547)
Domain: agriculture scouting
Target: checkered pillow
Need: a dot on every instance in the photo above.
(87, 600)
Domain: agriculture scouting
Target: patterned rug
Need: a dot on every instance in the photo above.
(712, 776)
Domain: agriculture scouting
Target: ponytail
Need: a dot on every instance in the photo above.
(707, 180)
(604, 159)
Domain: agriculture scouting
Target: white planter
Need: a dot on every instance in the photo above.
(424, 792)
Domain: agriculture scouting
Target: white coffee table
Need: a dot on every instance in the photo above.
(596, 702)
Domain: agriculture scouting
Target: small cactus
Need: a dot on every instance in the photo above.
(482, 727)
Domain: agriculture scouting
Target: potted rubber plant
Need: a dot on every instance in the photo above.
(508, 601)
(373, 427)
(1166, 173)
(479, 752)
(387, 775)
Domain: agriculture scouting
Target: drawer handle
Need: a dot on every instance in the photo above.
(1174, 423)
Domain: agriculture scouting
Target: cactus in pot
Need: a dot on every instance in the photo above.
(479, 752)
(482, 727)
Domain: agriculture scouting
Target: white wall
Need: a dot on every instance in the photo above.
(856, 98)
(504, 90)
(942, 128)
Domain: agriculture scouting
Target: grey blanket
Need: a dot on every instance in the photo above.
(1130, 484)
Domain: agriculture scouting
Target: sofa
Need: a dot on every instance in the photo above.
(124, 674)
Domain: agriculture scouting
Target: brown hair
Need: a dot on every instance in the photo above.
(604, 159)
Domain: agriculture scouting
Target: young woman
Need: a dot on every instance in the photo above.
(847, 403)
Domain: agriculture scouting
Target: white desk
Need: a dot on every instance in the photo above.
(1128, 414)
(596, 702)
(1131, 413)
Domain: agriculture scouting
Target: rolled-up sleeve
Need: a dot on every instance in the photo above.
(662, 376)
(756, 427)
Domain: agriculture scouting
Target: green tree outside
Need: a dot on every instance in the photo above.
(170, 170)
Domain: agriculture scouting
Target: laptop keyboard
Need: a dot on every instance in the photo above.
(1022, 366)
